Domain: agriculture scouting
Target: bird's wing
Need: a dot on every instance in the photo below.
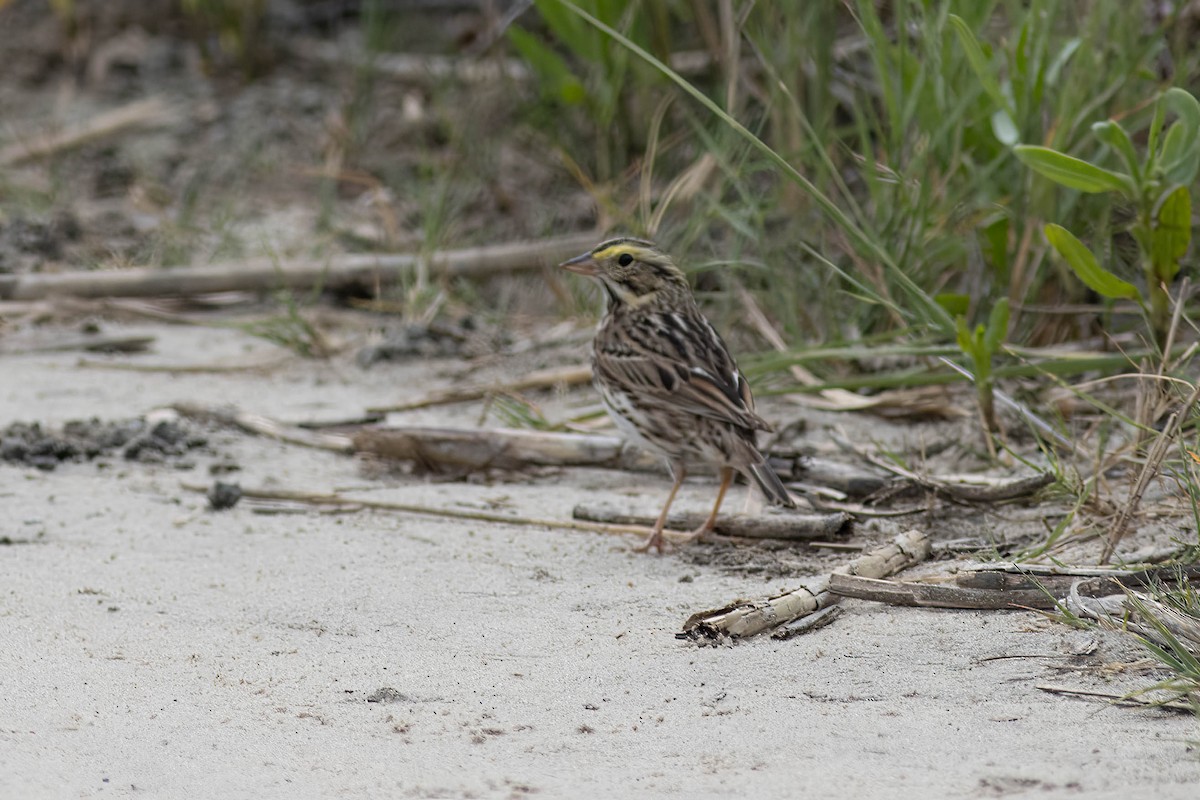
(680, 360)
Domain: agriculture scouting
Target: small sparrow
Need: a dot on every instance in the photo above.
(667, 378)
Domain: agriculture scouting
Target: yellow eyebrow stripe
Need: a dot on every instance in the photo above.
(609, 252)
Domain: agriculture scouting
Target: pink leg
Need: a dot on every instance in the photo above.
(656, 538)
(711, 522)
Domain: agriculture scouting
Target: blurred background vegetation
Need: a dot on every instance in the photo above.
(848, 163)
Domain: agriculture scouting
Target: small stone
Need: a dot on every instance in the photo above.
(223, 495)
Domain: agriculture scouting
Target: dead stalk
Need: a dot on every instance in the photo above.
(1154, 459)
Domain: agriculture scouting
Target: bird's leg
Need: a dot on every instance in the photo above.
(711, 522)
(656, 538)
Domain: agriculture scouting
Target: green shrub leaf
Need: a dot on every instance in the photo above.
(1073, 172)
(1004, 129)
(956, 305)
(997, 327)
(1185, 106)
(1085, 265)
(558, 82)
(1115, 137)
(1172, 232)
(967, 342)
(980, 64)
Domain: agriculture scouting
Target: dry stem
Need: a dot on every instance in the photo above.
(743, 619)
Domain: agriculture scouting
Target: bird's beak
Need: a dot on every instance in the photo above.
(581, 265)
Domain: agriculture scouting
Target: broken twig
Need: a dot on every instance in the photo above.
(472, 449)
(541, 379)
(330, 500)
(1154, 459)
(744, 619)
(265, 426)
(151, 112)
(340, 272)
(971, 488)
(96, 343)
(775, 525)
(1119, 699)
(932, 595)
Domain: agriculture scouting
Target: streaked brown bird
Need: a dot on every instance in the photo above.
(666, 376)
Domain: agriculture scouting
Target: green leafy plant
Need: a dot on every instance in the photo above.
(1157, 186)
(1169, 628)
(594, 75)
(236, 26)
(981, 346)
(290, 328)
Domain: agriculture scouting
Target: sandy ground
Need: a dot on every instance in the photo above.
(153, 648)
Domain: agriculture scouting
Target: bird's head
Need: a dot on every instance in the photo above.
(632, 272)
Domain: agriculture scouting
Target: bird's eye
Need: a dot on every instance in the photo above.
(624, 259)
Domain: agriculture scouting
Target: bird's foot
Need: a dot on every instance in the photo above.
(657, 541)
(661, 544)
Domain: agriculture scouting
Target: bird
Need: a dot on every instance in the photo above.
(666, 377)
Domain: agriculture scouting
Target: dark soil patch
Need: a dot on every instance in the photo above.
(135, 439)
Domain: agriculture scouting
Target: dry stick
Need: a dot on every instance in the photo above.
(434, 447)
(818, 619)
(979, 489)
(336, 499)
(747, 619)
(1129, 611)
(850, 480)
(541, 379)
(1174, 327)
(1118, 699)
(509, 448)
(1130, 576)
(192, 369)
(1057, 585)
(1027, 416)
(834, 399)
(265, 426)
(780, 525)
(150, 112)
(933, 595)
(499, 448)
(1153, 460)
(269, 274)
(425, 68)
(93, 344)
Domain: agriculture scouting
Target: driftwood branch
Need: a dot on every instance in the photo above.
(815, 620)
(471, 449)
(90, 343)
(336, 500)
(771, 525)
(1100, 580)
(932, 595)
(261, 365)
(151, 112)
(971, 488)
(265, 426)
(426, 68)
(744, 619)
(540, 379)
(1119, 699)
(335, 273)
(1139, 613)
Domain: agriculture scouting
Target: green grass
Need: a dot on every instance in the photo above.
(890, 155)
(865, 181)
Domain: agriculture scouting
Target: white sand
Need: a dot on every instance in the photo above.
(152, 648)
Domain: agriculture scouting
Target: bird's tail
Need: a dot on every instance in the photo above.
(770, 484)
